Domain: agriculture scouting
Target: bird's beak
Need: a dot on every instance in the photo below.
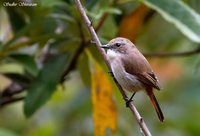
(106, 46)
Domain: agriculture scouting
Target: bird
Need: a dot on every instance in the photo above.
(132, 70)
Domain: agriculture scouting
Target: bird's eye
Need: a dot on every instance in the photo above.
(118, 44)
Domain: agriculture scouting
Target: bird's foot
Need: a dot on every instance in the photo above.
(129, 100)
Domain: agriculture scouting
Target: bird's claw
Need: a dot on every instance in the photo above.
(129, 100)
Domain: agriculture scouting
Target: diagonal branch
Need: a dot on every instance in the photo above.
(98, 44)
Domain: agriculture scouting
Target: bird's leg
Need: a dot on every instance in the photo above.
(130, 100)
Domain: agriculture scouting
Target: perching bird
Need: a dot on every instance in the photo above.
(132, 70)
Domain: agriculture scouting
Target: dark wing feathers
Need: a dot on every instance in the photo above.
(141, 69)
(148, 79)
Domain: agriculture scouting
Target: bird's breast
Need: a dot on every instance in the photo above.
(127, 81)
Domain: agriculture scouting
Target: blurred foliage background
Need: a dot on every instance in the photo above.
(53, 81)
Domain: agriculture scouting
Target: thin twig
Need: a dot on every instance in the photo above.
(76, 54)
(102, 52)
(72, 62)
(9, 100)
(101, 22)
(173, 54)
(12, 89)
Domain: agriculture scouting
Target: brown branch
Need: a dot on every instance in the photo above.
(77, 53)
(173, 54)
(9, 100)
(98, 44)
(72, 62)
(101, 22)
(13, 88)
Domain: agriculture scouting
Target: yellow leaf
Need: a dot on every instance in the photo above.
(104, 109)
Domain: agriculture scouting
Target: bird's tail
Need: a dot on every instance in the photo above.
(155, 104)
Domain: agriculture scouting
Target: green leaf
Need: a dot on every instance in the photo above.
(66, 44)
(23, 80)
(45, 84)
(6, 132)
(27, 62)
(37, 28)
(84, 69)
(21, 16)
(63, 17)
(178, 13)
(90, 4)
(11, 68)
(112, 10)
(52, 3)
(109, 29)
(99, 14)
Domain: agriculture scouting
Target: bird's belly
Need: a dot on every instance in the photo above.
(127, 81)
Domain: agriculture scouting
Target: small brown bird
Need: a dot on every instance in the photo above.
(132, 70)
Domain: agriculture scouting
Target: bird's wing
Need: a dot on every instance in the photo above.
(141, 69)
(149, 79)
